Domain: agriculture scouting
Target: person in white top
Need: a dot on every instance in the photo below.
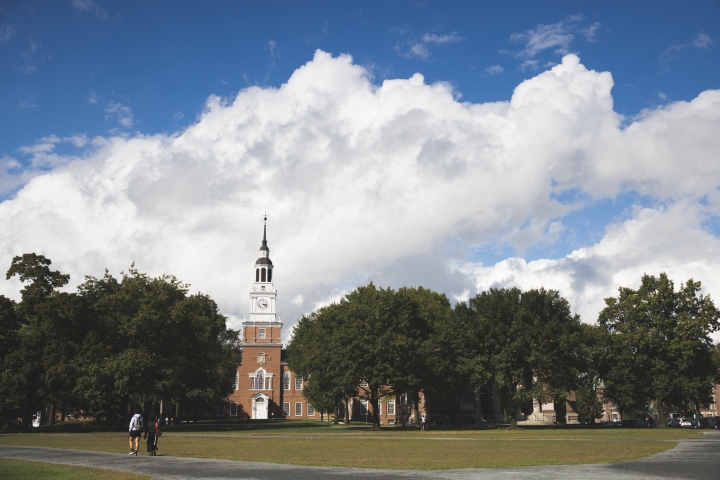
(135, 430)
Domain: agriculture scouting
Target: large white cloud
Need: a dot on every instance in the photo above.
(395, 182)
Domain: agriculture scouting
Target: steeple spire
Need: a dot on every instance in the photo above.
(264, 240)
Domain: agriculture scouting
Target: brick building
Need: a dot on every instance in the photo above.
(264, 386)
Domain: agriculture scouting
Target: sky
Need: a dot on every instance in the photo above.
(455, 145)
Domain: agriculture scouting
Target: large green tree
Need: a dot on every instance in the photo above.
(375, 342)
(151, 340)
(38, 362)
(661, 352)
(318, 354)
(525, 343)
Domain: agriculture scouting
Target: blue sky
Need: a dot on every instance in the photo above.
(506, 166)
(65, 62)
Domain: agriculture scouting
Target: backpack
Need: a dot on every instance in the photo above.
(138, 423)
(158, 432)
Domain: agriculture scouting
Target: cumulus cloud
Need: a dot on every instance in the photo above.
(6, 33)
(494, 70)
(703, 41)
(668, 238)
(398, 182)
(557, 36)
(89, 6)
(122, 113)
(419, 48)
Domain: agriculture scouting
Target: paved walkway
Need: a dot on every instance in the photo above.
(698, 458)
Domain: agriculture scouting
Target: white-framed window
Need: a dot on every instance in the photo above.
(379, 407)
(260, 380)
(363, 383)
(391, 407)
(363, 407)
(70, 411)
(298, 383)
(311, 410)
(261, 333)
(233, 409)
(220, 411)
(252, 383)
(298, 409)
(286, 409)
(236, 383)
(286, 380)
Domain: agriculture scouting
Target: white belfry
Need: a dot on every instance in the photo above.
(263, 293)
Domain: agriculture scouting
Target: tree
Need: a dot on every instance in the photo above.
(151, 341)
(317, 353)
(38, 364)
(526, 343)
(375, 342)
(9, 340)
(660, 352)
(588, 392)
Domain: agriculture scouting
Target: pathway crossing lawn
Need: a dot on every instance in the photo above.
(27, 470)
(392, 448)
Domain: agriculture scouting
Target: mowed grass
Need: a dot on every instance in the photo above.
(394, 448)
(28, 469)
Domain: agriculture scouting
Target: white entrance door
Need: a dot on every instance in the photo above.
(260, 409)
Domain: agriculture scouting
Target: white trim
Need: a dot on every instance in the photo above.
(310, 408)
(296, 409)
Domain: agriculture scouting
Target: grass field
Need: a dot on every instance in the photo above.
(308, 443)
(27, 470)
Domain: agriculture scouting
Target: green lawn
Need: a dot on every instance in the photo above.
(305, 443)
(31, 470)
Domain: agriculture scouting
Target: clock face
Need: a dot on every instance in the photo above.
(262, 303)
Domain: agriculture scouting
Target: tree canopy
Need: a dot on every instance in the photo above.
(113, 343)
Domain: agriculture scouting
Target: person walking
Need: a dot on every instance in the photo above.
(422, 422)
(152, 432)
(135, 430)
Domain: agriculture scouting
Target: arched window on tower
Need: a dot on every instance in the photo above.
(269, 274)
(260, 380)
(262, 275)
(257, 274)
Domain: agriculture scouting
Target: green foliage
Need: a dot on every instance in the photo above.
(152, 340)
(660, 349)
(523, 342)
(114, 343)
(37, 365)
(375, 335)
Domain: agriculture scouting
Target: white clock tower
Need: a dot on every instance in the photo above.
(263, 293)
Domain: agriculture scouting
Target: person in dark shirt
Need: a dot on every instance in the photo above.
(152, 432)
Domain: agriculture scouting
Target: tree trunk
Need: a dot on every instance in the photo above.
(51, 420)
(27, 416)
(374, 404)
(336, 420)
(416, 409)
(347, 412)
(513, 422)
(661, 413)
